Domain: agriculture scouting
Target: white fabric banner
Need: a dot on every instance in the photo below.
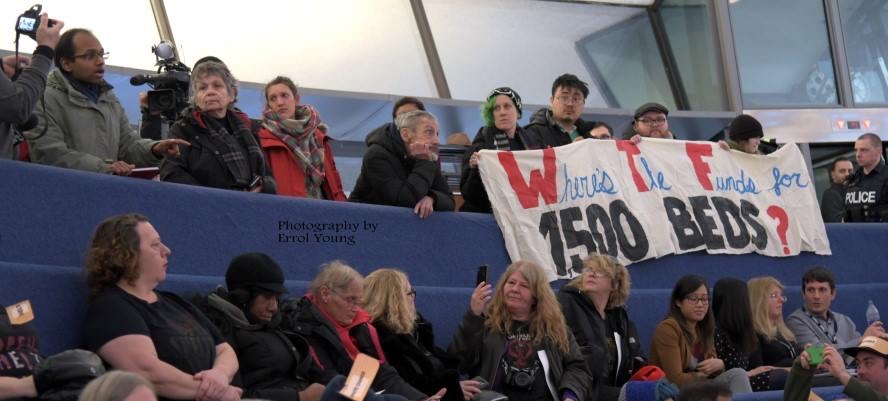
(660, 197)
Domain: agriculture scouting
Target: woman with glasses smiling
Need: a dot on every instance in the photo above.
(407, 339)
(593, 305)
(683, 343)
(329, 316)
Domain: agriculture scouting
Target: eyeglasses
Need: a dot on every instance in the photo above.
(775, 295)
(698, 300)
(595, 273)
(569, 99)
(351, 301)
(412, 293)
(92, 55)
(652, 121)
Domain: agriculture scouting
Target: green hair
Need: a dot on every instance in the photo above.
(487, 110)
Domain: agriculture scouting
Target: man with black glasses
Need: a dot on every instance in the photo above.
(561, 124)
(82, 123)
(649, 122)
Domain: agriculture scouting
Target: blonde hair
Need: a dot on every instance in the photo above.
(759, 296)
(385, 291)
(333, 275)
(546, 319)
(115, 385)
(614, 270)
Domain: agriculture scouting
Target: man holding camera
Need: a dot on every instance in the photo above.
(22, 83)
(871, 383)
(83, 125)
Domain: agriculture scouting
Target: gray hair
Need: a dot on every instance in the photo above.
(333, 275)
(217, 69)
(115, 385)
(411, 118)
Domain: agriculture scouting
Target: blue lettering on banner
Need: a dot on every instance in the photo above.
(586, 186)
(659, 182)
(741, 184)
(786, 180)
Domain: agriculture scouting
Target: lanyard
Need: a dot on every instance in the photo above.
(835, 338)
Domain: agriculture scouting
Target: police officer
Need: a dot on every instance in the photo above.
(866, 194)
(18, 98)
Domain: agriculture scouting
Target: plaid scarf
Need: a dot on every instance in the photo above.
(238, 149)
(299, 135)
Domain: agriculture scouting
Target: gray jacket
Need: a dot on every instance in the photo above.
(481, 350)
(807, 331)
(17, 99)
(84, 135)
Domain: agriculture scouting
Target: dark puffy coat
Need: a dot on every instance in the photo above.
(418, 361)
(591, 333)
(274, 364)
(389, 177)
(306, 320)
(470, 184)
(548, 133)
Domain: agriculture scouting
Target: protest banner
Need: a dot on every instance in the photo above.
(660, 197)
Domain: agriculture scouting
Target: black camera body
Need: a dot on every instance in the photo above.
(170, 88)
(29, 21)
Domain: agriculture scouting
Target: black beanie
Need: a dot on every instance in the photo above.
(745, 127)
(256, 270)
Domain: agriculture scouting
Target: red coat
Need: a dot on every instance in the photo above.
(287, 169)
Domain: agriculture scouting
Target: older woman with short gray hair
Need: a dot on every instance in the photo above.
(224, 152)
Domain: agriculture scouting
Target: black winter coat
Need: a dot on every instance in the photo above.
(591, 333)
(389, 177)
(470, 184)
(418, 361)
(274, 364)
(549, 134)
(200, 163)
(305, 319)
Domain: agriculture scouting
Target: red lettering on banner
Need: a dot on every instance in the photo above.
(539, 184)
(631, 151)
(695, 152)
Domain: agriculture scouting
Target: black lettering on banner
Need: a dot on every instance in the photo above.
(574, 238)
(729, 214)
(700, 204)
(619, 212)
(549, 228)
(686, 230)
(597, 217)
(749, 213)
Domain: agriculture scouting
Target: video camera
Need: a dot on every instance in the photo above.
(170, 85)
(29, 21)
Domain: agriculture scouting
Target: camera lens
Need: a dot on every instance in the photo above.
(162, 100)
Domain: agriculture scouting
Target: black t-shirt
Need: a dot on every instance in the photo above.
(18, 348)
(183, 337)
(521, 376)
(866, 196)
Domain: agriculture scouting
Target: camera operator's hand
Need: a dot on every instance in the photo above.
(46, 35)
(10, 63)
(168, 147)
(120, 168)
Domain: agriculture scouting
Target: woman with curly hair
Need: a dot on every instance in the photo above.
(156, 334)
(407, 339)
(501, 131)
(521, 345)
(593, 304)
